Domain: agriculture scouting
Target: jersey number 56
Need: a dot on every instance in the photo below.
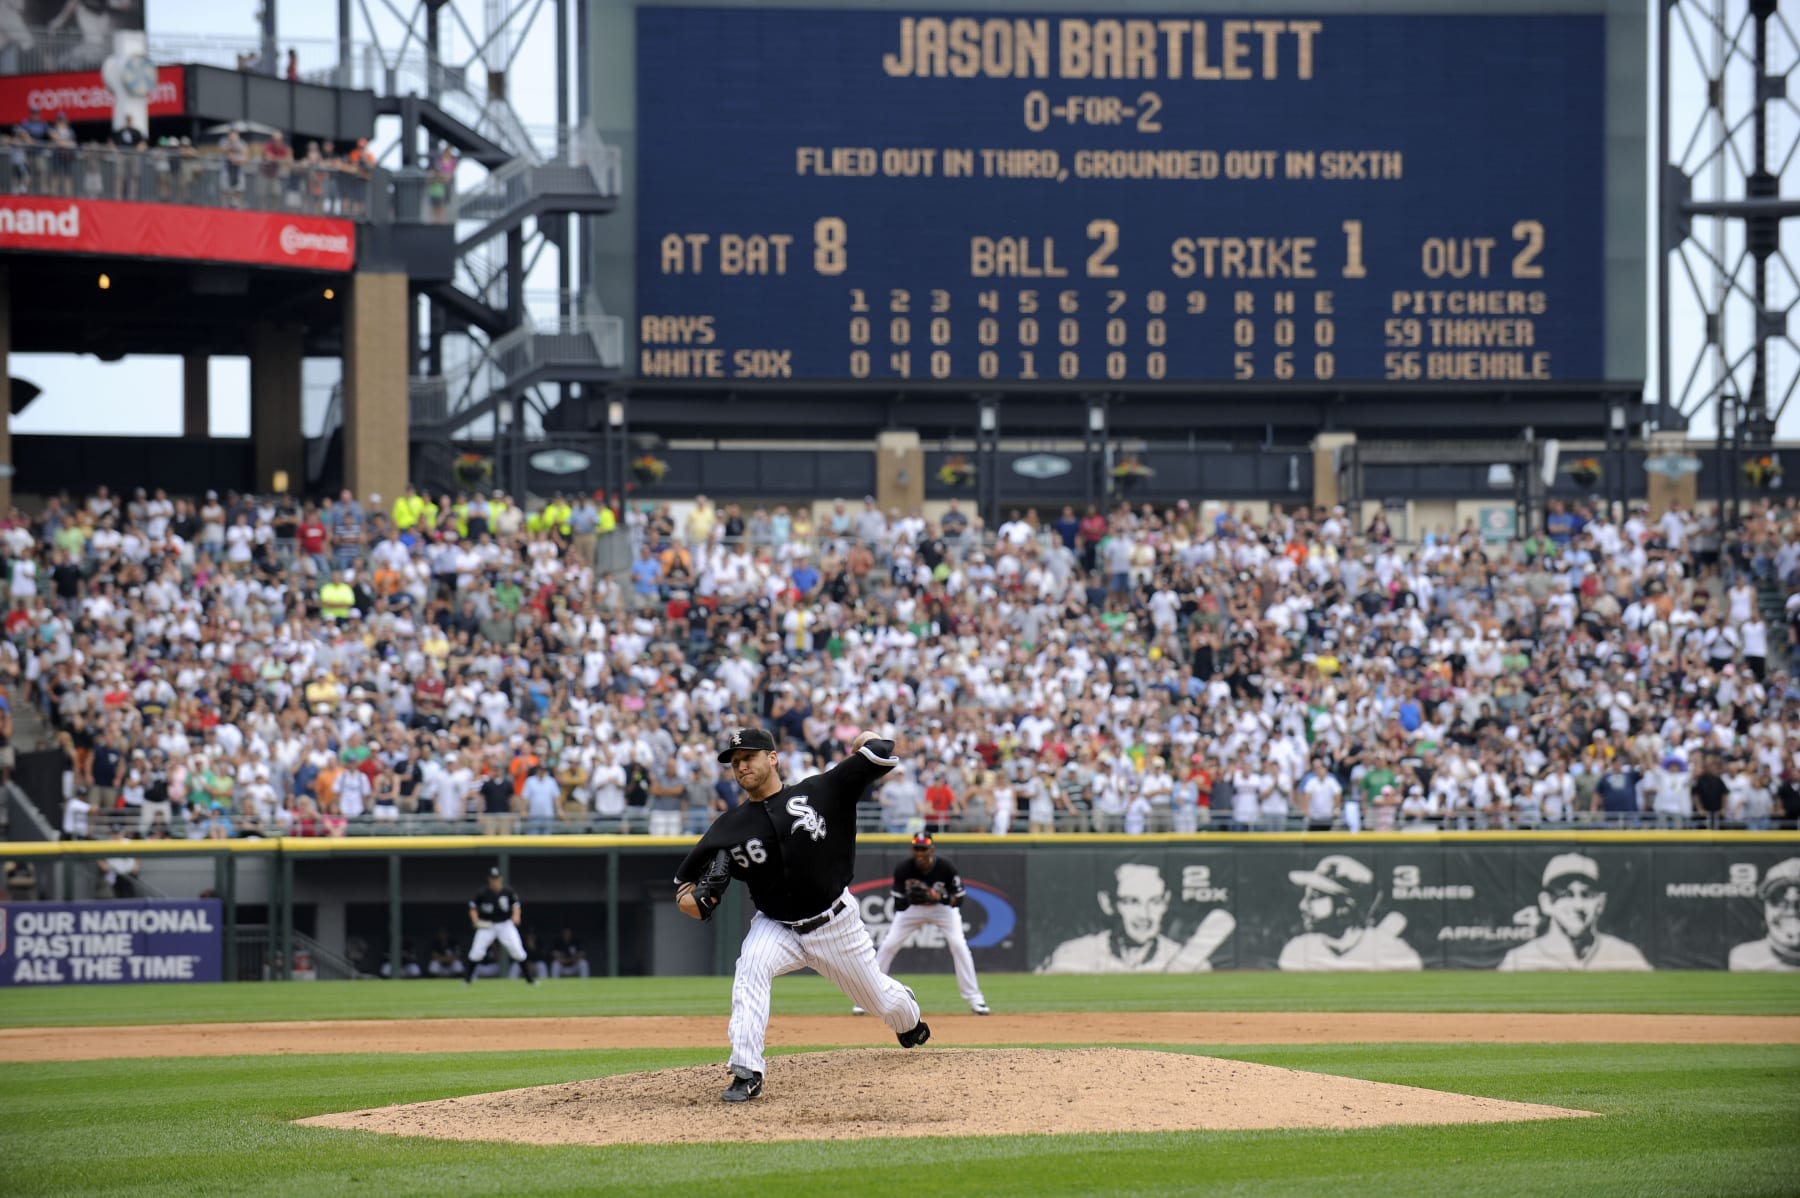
(744, 854)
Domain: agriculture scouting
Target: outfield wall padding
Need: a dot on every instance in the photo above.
(1574, 901)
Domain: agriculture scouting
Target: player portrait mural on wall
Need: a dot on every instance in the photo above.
(1778, 951)
(1343, 924)
(1135, 904)
(1572, 902)
(1404, 907)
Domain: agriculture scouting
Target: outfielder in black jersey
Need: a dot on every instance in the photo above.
(495, 912)
(928, 890)
(795, 848)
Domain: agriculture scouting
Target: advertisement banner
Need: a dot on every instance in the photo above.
(137, 940)
(82, 96)
(992, 910)
(1390, 905)
(50, 225)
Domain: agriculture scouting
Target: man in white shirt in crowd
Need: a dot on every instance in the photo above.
(1157, 788)
(1323, 794)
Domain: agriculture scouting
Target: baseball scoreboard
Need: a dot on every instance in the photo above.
(884, 195)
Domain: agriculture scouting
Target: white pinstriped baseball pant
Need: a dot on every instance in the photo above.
(506, 932)
(949, 919)
(840, 951)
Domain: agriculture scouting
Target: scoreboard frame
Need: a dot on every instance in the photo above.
(609, 88)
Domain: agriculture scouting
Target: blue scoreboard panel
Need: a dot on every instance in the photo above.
(889, 195)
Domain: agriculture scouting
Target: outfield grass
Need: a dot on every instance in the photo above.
(1679, 1120)
(1712, 993)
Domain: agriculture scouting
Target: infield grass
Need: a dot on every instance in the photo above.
(1678, 1120)
(1711, 993)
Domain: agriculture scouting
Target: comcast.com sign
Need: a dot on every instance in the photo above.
(298, 241)
(84, 98)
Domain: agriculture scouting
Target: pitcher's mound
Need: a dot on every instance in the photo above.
(856, 1094)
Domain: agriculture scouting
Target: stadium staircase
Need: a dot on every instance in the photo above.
(498, 350)
(29, 729)
(438, 98)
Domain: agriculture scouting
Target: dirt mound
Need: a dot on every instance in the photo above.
(861, 1093)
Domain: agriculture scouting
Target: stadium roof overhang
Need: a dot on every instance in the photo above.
(153, 306)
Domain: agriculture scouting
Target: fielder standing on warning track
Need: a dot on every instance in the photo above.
(928, 890)
(795, 848)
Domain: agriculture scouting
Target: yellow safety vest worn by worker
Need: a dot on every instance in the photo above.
(337, 600)
(608, 521)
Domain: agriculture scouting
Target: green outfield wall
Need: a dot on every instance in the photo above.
(1572, 901)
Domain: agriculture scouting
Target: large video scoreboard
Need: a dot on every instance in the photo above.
(883, 195)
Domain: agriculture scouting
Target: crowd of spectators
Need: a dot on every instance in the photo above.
(255, 666)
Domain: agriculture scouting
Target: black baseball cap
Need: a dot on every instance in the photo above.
(494, 872)
(922, 841)
(746, 738)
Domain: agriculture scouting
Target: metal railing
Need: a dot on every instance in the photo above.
(584, 164)
(200, 176)
(578, 338)
(42, 51)
(636, 821)
(259, 957)
(204, 177)
(448, 87)
(45, 51)
(584, 149)
(37, 50)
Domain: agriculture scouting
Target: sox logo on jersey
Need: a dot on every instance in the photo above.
(805, 818)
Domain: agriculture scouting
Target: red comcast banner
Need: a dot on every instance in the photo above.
(83, 96)
(176, 231)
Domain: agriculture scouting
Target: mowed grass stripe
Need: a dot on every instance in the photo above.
(1654, 993)
(1689, 1120)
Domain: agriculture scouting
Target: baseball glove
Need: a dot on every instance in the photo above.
(918, 892)
(713, 881)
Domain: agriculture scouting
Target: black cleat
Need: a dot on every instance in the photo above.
(745, 1085)
(916, 1037)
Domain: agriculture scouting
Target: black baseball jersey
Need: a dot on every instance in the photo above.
(796, 850)
(942, 872)
(492, 906)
